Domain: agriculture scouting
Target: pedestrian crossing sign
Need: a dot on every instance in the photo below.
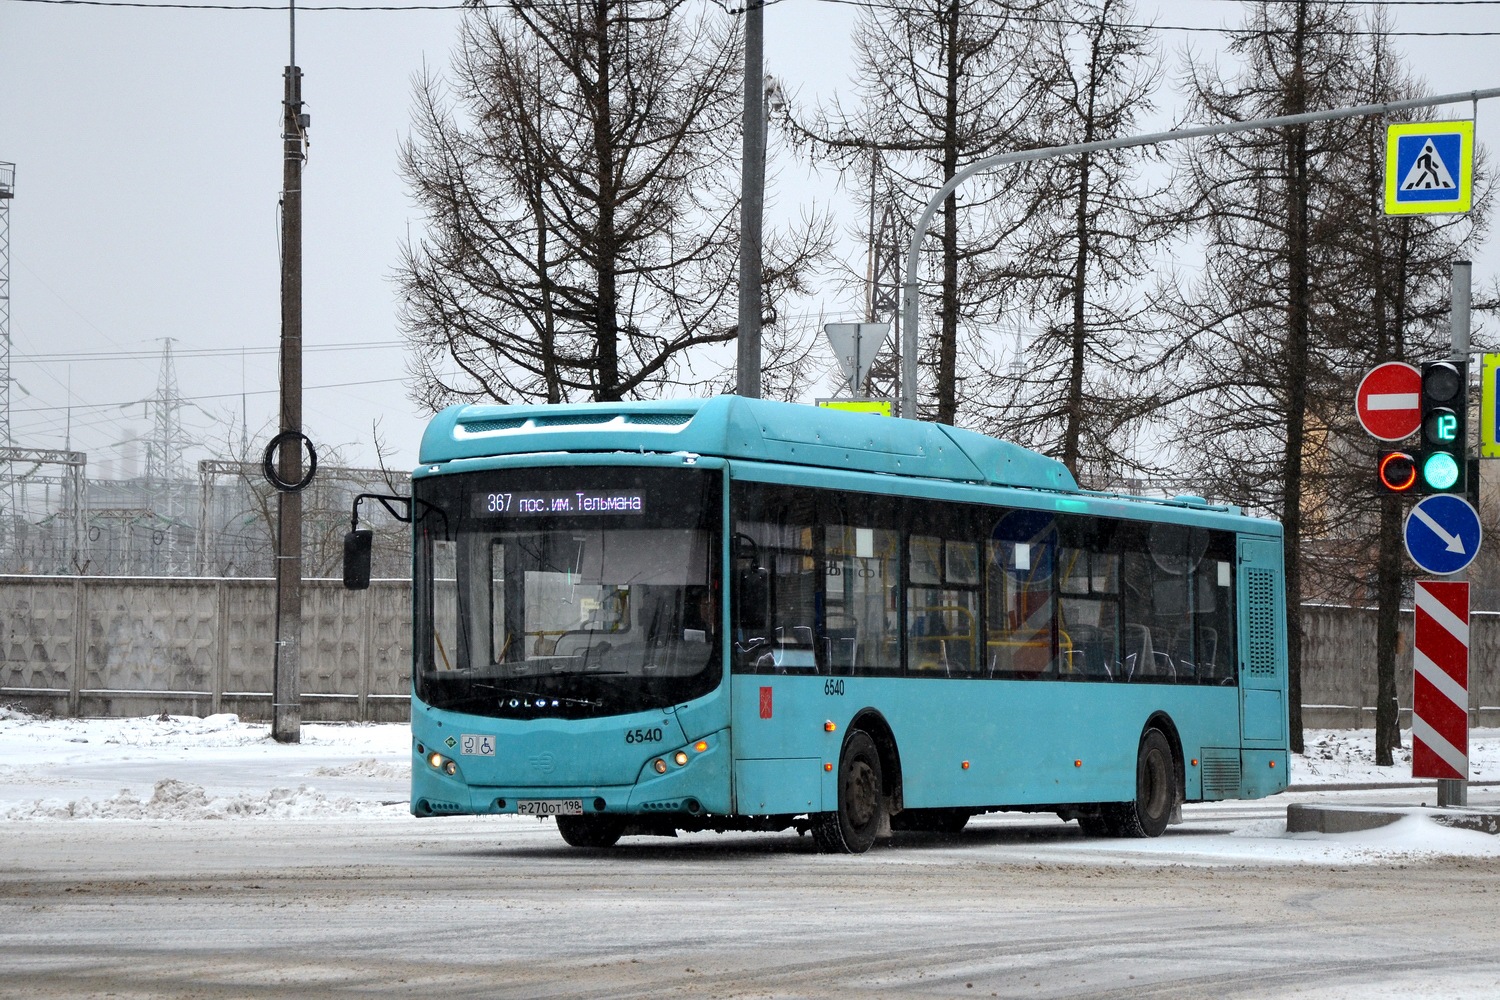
(1429, 168)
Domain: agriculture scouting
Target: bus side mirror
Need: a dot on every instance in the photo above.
(752, 598)
(357, 545)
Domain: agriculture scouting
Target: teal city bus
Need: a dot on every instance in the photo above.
(734, 614)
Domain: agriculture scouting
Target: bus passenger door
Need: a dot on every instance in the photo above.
(1263, 665)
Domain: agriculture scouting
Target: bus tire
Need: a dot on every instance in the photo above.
(590, 831)
(854, 825)
(1155, 791)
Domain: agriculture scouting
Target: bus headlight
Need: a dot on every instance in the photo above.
(680, 758)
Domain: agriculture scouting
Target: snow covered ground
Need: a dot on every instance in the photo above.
(219, 768)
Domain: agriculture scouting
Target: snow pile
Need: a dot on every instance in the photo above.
(367, 768)
(186, 768)
(23, 735)
(1343, 756)
(172, 799)
(180, 768)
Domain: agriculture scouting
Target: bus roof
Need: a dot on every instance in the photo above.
(734, 427)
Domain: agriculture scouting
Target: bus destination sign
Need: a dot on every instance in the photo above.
(538, 504)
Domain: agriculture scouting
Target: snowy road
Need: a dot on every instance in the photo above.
(204, 880)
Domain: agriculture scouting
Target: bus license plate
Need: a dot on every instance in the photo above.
(549, 807)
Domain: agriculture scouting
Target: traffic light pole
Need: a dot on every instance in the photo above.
(908, 402)
(1455, 791)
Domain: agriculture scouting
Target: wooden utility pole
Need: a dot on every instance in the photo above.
(286, 722)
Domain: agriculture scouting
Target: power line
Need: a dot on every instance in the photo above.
(217, 395)
(281, 8)
(873, 5)
(204, 352)
(866, 4)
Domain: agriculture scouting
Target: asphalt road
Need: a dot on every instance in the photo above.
(1018, 906)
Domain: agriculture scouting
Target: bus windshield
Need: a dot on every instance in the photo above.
(567, 593)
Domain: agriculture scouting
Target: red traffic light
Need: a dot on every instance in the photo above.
(1398, 471)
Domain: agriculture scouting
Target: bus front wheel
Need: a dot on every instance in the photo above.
(854, 825)
(590, 831)
(1155, 791)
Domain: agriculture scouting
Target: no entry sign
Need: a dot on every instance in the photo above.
(1389, 401)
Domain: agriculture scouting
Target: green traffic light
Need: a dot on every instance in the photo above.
(1440, 470)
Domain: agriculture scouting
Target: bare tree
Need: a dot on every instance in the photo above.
(940, 83)
(1265, 375)
(578, 173)
(1077, 265)
(1390, 303)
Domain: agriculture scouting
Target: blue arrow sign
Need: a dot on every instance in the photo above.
(1442, 534)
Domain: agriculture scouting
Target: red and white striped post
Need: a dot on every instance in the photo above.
(1440, 682)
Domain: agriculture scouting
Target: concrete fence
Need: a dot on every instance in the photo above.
(123, 646)
(1338, 667)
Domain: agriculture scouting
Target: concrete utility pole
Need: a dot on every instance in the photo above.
(286, 722)
(752, 201)
(1455, 791)
(7, 479)
(909, 285)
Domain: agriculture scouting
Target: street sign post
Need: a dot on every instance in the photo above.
(855, 346)
(1389, 401)
(1442, 534)
(1429, 168)
(1440, 682)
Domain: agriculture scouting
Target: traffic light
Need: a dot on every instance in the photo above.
(1443, 457)
(1398, 471)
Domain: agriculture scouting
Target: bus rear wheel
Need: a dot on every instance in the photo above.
(590, 831)
(854, 825)
(1155, 791)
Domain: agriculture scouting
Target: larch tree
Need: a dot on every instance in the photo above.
(1389, 302)
(938, 85)
(578, 174)
(1076, 267)
(1260, 378)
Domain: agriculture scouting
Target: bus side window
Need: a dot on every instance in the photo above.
(942, 607)
(1019, 608)
(860, 578)
(1089, 611)
(776, 589)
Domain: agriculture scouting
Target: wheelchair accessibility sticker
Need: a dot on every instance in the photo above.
(472, 745)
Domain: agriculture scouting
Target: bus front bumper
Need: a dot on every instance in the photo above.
(690, 780)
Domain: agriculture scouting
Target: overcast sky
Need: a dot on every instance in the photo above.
(148, 165)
